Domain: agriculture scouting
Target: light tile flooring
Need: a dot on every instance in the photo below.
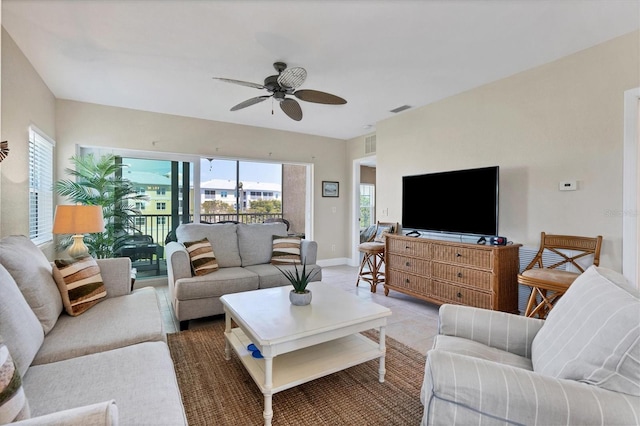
(413, 321)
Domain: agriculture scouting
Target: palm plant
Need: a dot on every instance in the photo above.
(98, 181)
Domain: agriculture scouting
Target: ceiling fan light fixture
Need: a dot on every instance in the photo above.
(292, 78)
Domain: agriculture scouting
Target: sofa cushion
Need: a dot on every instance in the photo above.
(140, 378)
(224, 281)
(202, 257)
(286, 250)
(113, 323)
(80, 283)
(13, 401)
(270, 276)
(34, 281)
(255, 241)
(222, 236)
(19, 326)
(592, 334)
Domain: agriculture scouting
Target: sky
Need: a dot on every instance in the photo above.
(216, 169)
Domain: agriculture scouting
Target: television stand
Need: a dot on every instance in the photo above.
(441, 272)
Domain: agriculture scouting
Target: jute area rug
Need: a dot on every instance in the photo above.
(220, 392)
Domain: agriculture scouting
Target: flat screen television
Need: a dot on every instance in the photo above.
(458, 201)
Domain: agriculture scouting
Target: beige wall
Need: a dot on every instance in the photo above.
(26, 100)
(559, 121)
(96, 125)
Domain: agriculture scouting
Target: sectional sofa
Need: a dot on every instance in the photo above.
(108, 365)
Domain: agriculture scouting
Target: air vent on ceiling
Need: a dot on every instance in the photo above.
(400, 108)
(370, 144)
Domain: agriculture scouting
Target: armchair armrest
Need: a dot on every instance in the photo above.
(178, 263)
(500, 330)
(116, 275)
(309, 251)
(459, 389)
(102, 413)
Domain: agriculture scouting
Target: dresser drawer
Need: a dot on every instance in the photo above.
(462, 275)
(414, 283)
(461, 255)
(450, 293)
(415, 248)
(411, 265)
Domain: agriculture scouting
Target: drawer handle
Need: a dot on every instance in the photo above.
(459, 274)
(407, 264)
(459, 294)
(406, 280)
(406, 247)
(458, 255)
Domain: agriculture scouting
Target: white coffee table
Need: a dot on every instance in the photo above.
(301, 343)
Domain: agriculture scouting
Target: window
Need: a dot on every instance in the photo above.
(162, 221)
(141, 190)
(367, 205)
(140, 220)
(223, 194)
(40, 187)
(161, 206)
(161, 191)
(209, 194)
(140, 205)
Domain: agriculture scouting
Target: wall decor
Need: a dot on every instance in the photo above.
(4, 150)
(330, 189)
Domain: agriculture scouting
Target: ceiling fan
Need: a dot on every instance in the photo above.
(283, 84)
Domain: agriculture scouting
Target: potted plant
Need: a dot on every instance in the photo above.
(98, 181)
(299, 296)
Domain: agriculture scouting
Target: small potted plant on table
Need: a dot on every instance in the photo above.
(300, 295)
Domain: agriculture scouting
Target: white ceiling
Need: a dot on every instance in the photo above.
(161, 55)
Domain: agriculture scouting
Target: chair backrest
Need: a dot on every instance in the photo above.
(278, 219)
(385, 228)
(572, 250)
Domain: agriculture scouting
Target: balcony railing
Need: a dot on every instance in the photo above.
(158, 226)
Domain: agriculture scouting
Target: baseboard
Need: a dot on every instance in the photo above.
(333, 262)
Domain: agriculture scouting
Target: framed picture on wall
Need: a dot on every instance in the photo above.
(329, 188)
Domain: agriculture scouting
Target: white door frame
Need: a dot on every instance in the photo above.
(630, 187)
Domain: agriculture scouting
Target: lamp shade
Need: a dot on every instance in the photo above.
(78, 219)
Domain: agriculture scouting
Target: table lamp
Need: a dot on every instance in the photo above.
(78, 220)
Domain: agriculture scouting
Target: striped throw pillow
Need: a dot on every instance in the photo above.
(286, 250)
(80, 284)
(13, 401)
(203, 259)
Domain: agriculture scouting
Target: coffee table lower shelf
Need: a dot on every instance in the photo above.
(306, 364)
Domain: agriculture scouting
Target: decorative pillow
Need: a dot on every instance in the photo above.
(286, 250)
(203, 260)
(13, 401)
(592, 334)
(80, 284)
(381, 231)
(35, 282)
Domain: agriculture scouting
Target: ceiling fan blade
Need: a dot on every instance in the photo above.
(241, 83)
(250, 102)
(292, 78)
(319, 97)
(292, 109)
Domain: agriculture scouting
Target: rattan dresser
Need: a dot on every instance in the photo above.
(451, 272)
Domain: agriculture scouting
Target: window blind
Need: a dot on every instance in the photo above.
(40, 187)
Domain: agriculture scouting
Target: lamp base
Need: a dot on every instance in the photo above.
(78, 249)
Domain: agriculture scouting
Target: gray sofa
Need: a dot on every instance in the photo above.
(243, 253)
(580, 366)
(108, 365)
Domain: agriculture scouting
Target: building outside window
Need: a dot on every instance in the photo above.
(161, 206)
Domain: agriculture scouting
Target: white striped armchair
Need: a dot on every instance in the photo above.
(580, 366)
